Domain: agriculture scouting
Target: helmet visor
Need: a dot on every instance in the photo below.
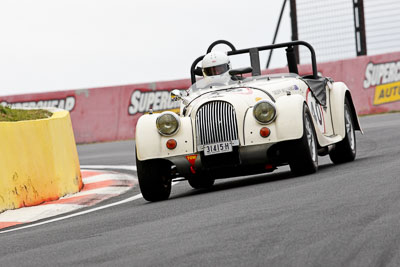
(216, 70)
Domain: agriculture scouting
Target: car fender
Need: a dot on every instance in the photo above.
(288, 124)
(150, 144)
(338, 93)
(289, 120)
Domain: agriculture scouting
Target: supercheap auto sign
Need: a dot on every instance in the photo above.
(67, 103)
(142, 101)
(386, 79)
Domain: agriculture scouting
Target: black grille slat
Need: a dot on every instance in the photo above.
(216, 122)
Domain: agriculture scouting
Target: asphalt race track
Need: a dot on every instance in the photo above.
(345, 215)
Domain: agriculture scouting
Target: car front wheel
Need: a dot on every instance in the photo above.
(345, 150)
(154, 179)
(303, 153)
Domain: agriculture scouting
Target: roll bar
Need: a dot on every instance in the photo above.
(255, 58)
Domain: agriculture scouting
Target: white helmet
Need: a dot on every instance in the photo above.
(215, 63)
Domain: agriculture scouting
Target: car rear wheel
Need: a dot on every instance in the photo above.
(201, 182)
(303, 153)
(345, 150)
(154, 179)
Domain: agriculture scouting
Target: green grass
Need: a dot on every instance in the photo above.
(8, 114)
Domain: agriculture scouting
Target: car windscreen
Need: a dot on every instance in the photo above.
(225, 80)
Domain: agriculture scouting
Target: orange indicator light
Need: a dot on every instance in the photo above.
(265, 132)
(171, 144)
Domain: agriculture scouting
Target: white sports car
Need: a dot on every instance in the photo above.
(242, 123)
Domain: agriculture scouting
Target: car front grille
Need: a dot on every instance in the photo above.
(216, 122)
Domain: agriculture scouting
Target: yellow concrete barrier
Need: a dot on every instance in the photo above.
(38, 161)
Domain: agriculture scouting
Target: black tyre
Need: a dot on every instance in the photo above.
(345, 150)
(154, 179)
(303, 153)
(200, 182)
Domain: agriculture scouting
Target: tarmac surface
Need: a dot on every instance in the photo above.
(344, 215)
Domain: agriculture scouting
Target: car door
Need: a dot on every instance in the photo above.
(321, 113)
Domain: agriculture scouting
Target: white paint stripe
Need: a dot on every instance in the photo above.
(34, 213)
(107, 176)
(116, 167)
(74, 215)
(130, 199)
(103, 191)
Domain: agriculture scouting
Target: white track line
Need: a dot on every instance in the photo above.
(35, 213)
(114, 190)
(116, 167)
(106, 176)
(74, 215)
(130, 199)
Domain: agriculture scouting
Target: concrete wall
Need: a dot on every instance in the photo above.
(111, 113)
(38, 161)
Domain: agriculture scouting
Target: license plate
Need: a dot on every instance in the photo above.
(217, 148)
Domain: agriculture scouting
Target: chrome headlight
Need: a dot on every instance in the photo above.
(264, 111)
(168, 123)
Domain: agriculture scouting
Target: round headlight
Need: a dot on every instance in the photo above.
(168, 123)
(264, 111)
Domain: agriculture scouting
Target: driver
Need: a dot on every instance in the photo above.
(215, 63)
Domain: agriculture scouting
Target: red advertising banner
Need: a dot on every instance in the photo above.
(374, 81)
(104, 114)
(111, 113)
